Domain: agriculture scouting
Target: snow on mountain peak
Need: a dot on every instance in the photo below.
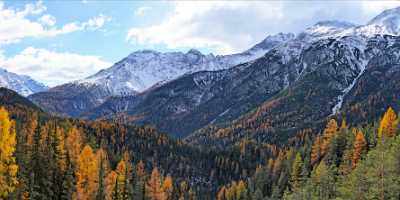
(388, 22)
(22, 84)
(143, 69)
(327, 28)
(387, 17)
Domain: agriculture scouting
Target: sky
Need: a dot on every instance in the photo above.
(56, 42)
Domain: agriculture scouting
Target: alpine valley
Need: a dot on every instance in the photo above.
(310, 115)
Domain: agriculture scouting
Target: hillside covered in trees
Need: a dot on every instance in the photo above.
(46, 157)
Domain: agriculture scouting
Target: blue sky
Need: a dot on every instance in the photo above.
(60, 41)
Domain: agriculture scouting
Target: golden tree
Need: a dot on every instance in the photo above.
(60, 149)
(168, 187)
(8, 166)
(328, 134)
(74, 144)
(153, 186)
(359, 146)
(316, 150)
(111, 178)
(87, 174)
(388, 125)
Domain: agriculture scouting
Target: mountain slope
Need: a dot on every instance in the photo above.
(205, 98)
(138, 72)
(24, 85)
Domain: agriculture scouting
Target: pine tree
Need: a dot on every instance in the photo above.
(68, 186)
(359, 146)
(323, 182)
(295, 177)
(388, 126)
(8, 166)
(139, 185)
(102, 160)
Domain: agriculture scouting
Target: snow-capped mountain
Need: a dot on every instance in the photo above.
(22, 84)
(321, 66)
(143, 69)
(140, 71)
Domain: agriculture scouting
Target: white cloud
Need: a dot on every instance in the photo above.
(96, 22)
(33, 22)
(52, 68)
(47, 20)
(229, 27)
(141, 11)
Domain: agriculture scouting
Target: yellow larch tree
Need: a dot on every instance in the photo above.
(328, 134)
(388, 125)
(74, 144)
(60, 149)
(87, 174)
(168, 187)
(359, 146)
(8, 166)
(111, 178)
(153, 186)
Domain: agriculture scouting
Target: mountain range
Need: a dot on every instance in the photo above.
(285, 84)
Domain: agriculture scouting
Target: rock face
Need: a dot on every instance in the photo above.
(140, 71)
(24, 85)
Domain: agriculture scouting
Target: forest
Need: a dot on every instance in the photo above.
(47, 157)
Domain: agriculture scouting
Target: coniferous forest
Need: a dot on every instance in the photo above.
(46, 157)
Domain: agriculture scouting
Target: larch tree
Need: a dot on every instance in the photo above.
(8, 166)
(388, 124)
(74, 144)
(168, 187)
(60, 149)
(87, 174)
(359, 146)
(221, 193)
(316, 150)
(121, 192)
(110, 181)
(153, 186)
(328, 134)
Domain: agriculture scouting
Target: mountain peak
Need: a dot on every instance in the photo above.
(328, 27)
(387, 16)
(335, 23)
(22, 84)
(194, 51)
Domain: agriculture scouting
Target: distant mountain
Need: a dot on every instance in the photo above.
(22, 84)
(140, 71)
